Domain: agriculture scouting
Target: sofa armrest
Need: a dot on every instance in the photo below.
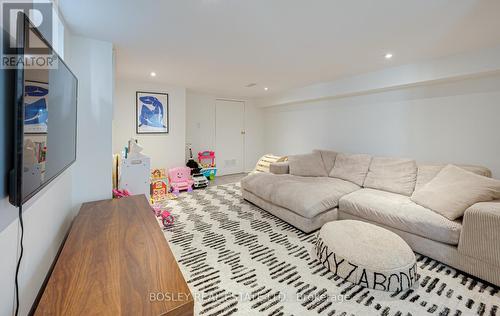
(480, 236)
(279, 167)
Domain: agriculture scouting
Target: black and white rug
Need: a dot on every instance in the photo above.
(241, 260)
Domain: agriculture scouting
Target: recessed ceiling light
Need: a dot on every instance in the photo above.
(388, 56)
(152, 74)
(266, 88)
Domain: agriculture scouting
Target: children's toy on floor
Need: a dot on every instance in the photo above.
(120, 193)
(159, 189)
(207, 161)
(167, 219)
(180, 179)
(156, 210)
(199, 180)
(209, 173)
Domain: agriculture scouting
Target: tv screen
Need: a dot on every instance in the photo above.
(45, 115)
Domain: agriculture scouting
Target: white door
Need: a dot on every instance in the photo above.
(229, 136)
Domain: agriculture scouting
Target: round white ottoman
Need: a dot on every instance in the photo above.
(366, 255)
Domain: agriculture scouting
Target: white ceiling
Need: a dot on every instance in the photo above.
(220, 46)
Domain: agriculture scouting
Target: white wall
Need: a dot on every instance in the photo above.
(254, 134)
(200, 121)
(456, 122)
(165, 150)
(92, 62)
(200, 126)
(48, 215)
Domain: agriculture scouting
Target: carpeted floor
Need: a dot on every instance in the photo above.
(241, 260)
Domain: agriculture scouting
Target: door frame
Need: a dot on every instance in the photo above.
(244, 127)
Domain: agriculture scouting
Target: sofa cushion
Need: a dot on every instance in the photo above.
(261, 184)
(307, 165)
(427, 172)
(392, 174)
(454, 190)
(305, 196)
(328, 157)
(281, 167)
(398, 211)
(351, 168)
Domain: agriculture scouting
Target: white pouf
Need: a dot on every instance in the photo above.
(366, 255)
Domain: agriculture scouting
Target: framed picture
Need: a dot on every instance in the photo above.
(151, 113)
(36, 115)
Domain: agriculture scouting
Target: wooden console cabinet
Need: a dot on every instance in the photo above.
(116, 261)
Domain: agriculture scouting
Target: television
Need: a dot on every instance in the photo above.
(45, 115)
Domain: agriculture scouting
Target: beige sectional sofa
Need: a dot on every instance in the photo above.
(310, 190)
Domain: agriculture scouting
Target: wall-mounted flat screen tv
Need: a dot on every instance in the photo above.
(45, 115)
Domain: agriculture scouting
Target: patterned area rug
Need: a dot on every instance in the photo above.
(241, 260)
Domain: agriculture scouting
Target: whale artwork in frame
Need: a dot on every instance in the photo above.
(36, 97)
(151, 113)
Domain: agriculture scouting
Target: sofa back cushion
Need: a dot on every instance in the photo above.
(392, 174)
(307, 165)
(427, 172)
(351, 167)
(328, 157)
(454, 190)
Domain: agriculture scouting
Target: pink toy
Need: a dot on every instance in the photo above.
(166, 218)
(180, 179)
(206, 159)
(156, 210)
(120, 193)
